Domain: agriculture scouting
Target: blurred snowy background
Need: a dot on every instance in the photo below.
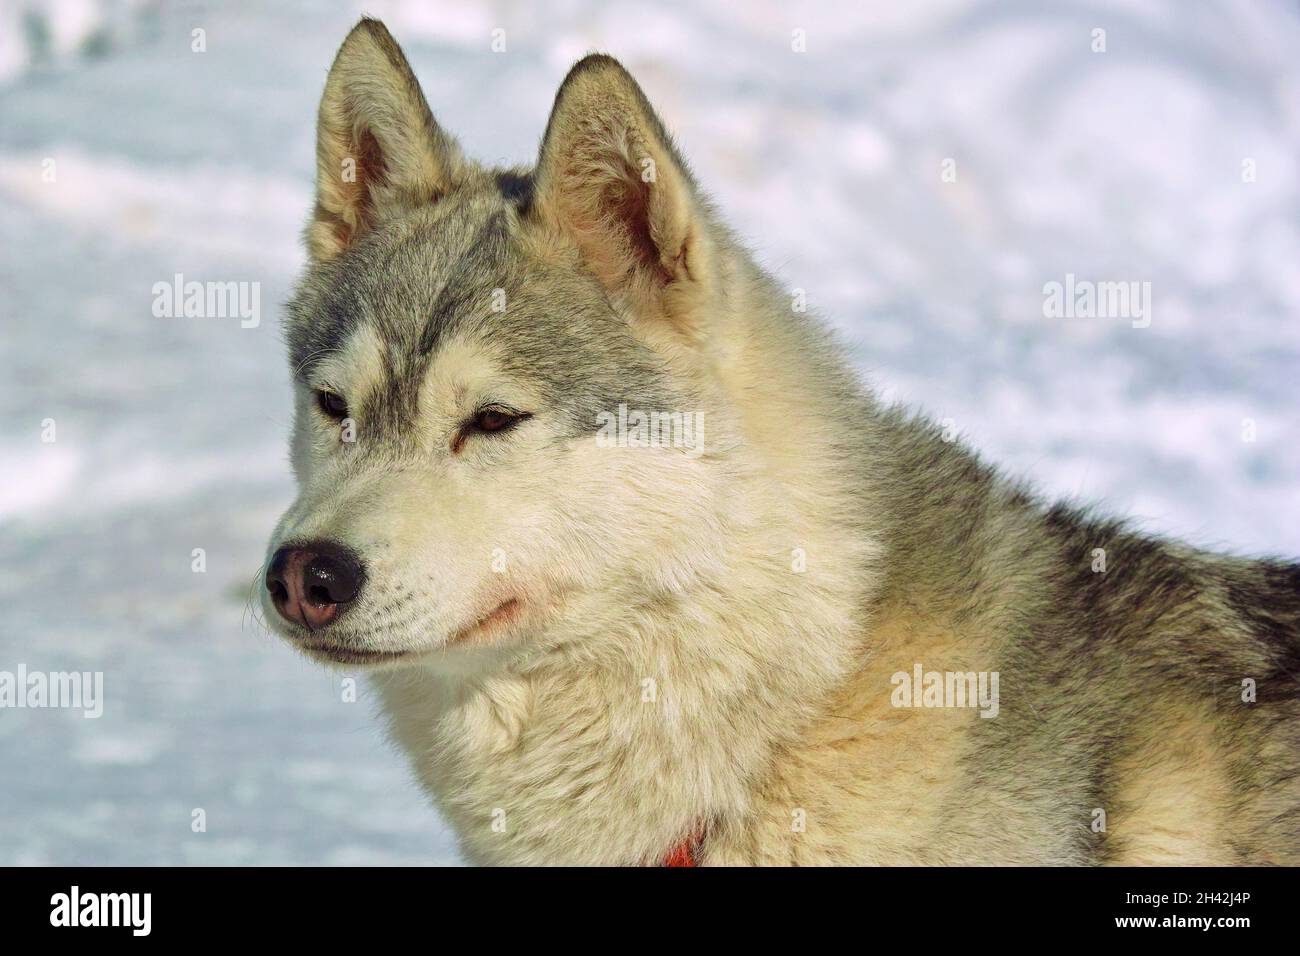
(1128, 164)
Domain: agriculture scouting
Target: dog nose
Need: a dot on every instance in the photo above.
(310, 584)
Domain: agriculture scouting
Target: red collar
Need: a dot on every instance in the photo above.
(686, 853)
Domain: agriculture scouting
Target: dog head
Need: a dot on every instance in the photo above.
(497, 373)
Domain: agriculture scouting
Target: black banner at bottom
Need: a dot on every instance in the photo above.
(336, 906)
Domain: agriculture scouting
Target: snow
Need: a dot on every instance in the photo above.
(1123, 165)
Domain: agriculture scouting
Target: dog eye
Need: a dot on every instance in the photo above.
(332, 404)
(488, 419)
(494, 419)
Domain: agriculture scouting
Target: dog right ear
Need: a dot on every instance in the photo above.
(379, 151)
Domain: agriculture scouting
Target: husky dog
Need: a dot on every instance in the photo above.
(807, 630)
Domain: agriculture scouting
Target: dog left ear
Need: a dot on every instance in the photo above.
(609, 176)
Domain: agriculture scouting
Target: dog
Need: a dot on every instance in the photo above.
(643, 574)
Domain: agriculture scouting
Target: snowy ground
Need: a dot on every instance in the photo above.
(1114, 166)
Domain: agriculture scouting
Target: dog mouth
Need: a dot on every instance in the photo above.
(482, 631)
(338, 654)
(490, 624)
